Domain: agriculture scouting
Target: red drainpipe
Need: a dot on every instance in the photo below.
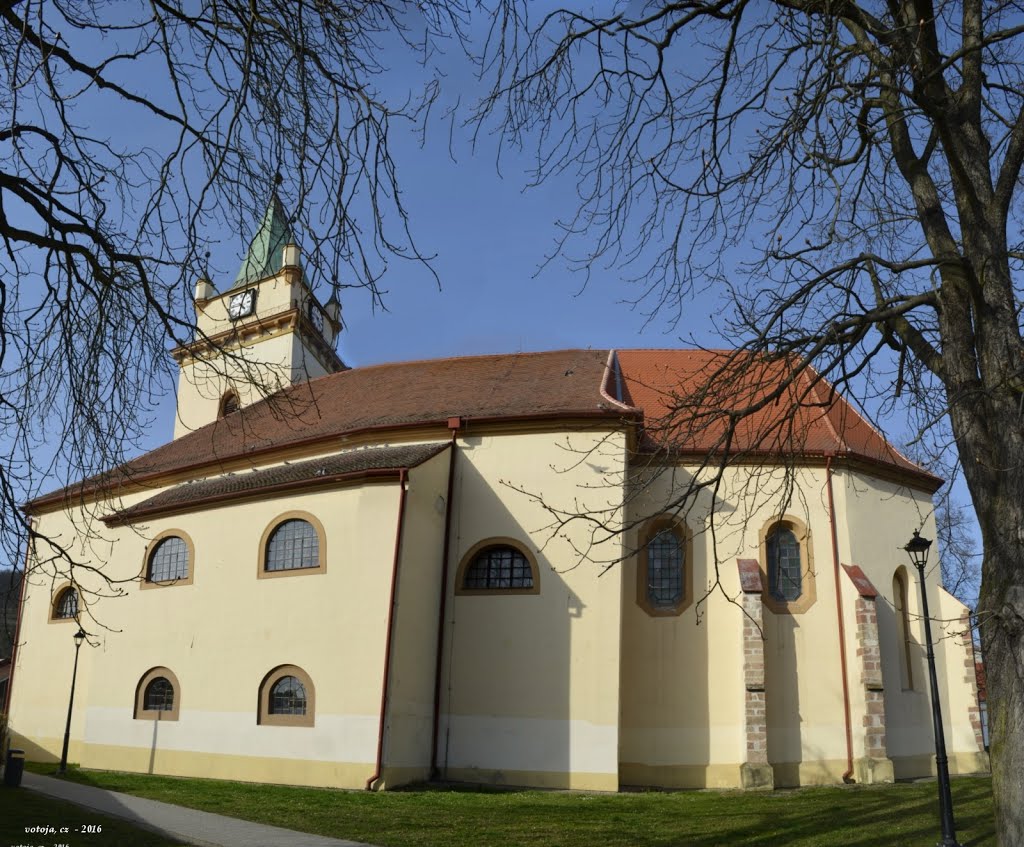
(454, 424)
(385, 685)
(847, 777)
(17, 623)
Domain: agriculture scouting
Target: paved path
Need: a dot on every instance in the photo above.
(203, 829)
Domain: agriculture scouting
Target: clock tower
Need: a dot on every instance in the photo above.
(266, 332)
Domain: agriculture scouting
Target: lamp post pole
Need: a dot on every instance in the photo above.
(79, 638)
(917, 548)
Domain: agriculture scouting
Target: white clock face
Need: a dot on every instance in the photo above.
(242, 305)
(317, 317)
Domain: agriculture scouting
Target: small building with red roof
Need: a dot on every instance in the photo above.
(569, 569)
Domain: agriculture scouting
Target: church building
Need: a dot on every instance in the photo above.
(517, 569)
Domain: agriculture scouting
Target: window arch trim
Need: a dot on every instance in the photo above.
(58, 599)
(808, 589)
(904, 632)
(144, 714)
(263, 573)
(263, 715)
(480, 547)
(146, 582)
(650, 530)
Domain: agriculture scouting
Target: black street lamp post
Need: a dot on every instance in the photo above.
(79, 638)
(917, 548)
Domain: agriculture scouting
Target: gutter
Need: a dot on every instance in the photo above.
(454, 424)
(612, 369)
(386, 683)
(848, 776)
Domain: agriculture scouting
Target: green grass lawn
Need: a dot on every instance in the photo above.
(21, 808)
(868, 816)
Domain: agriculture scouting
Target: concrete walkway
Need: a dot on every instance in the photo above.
(188, 826)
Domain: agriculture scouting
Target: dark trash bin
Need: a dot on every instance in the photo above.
(14, 768)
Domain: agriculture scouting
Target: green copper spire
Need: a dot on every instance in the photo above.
(267, 247)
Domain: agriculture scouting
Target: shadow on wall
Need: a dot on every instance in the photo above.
(666, 676)
(33, 752)
(785, 743)
(908, 735)
(506, 700)
(153, 746)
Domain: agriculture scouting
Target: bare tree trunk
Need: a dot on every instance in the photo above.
(1001, 613)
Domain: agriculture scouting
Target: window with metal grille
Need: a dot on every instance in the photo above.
(67, 604)
(665, 570)
(159, 696)
(288, 697)
(784, 571)
(498, 567)
(169, 560)
(294, 544)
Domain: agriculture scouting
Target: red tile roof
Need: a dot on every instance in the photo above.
(561, 383)
(328, 470)
(683, 396)
(687, 397)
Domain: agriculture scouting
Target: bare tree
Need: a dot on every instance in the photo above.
(130, 135)
(869, 154)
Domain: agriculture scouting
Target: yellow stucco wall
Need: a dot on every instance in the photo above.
(682, 683)
(682, 676)
(683, 687)
(574, 686)
(414, 651)
(881, 516)
(220, 636)
(531, 680)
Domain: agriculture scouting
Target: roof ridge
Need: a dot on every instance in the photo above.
(723, 350)
(599, 350)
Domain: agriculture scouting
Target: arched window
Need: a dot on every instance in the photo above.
(293, 543)
(787, 566)
(664, 571)
(498, 566)
(168, 560)
(287, 698)
(158, 696)
(65, 605)
(228, 404)
(899, 598)
(785, 573)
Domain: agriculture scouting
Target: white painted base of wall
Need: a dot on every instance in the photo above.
(334, 738)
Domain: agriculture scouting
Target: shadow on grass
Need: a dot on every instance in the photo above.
(21, 809)
(459, 815)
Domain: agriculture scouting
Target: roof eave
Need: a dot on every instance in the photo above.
(129, 516)
(919, 478)
(72, 495)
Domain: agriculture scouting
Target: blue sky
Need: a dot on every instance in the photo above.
(490, 238)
